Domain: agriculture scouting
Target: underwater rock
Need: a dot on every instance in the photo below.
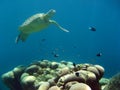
(12, 78)
(27, 81)
(18, 71)
(54, 65)
(64, 62)
(94, 70)
(44, 86)
(44, 64)
(8, 79)
(80, 86)
(47, 75)
(24, 75)
(100, 69)
(54, 88)
(64, 71)
(70, 77)
(69, 84)
(32, 69)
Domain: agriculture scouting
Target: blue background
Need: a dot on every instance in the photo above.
(80, 45)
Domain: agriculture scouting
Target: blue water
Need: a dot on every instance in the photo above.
(80, 45)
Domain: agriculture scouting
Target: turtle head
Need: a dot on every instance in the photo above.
(50, 13)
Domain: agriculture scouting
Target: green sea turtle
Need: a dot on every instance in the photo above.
(37, 23)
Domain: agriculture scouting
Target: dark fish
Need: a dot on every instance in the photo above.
(99, 54)
(92, 28)
(77, 74)
(74, 64)
(56, 55)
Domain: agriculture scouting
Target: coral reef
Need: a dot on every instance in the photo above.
(114, 83)
(47, 75)
(103, 82)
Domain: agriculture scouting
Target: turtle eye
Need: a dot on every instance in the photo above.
(50, 13)
(53, 11)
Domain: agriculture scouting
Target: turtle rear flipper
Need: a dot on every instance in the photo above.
(22, 37)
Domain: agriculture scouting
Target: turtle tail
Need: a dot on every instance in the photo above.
(22, 37)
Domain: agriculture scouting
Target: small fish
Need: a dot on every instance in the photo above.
(56, 55)
(74, 64)
(92, 28)
(77, 74)
(99, 54)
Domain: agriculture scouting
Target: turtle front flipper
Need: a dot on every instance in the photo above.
(22, 37)
(54, 22)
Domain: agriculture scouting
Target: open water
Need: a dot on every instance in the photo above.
(80, 45)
